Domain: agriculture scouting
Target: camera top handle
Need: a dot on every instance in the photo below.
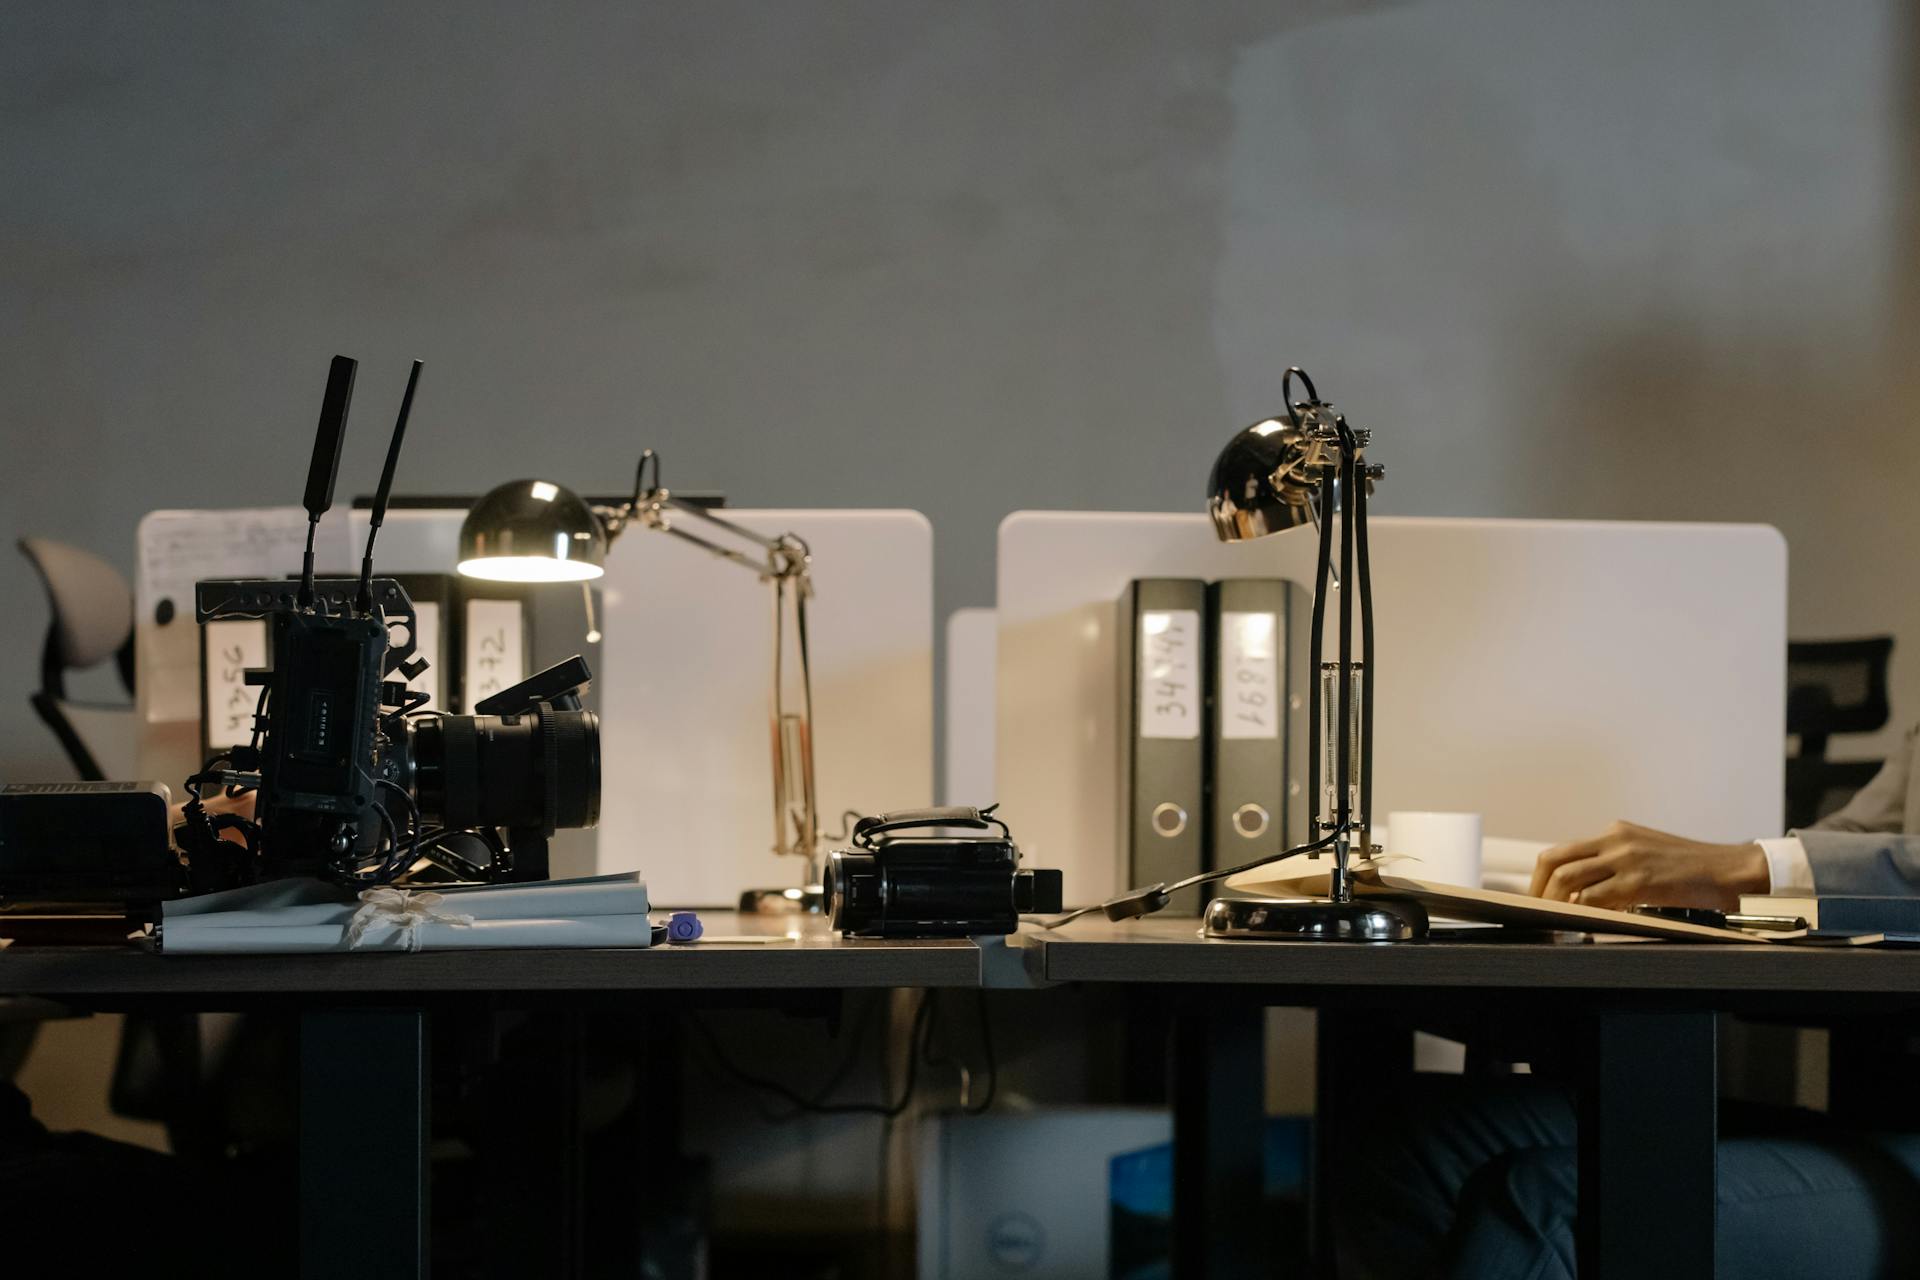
(867, 831)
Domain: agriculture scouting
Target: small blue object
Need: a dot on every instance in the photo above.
(683, 926)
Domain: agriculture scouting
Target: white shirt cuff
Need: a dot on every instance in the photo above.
(1788, 870)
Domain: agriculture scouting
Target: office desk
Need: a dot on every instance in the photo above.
(1643, 1014)
(1646, 1011)
(364, 1038)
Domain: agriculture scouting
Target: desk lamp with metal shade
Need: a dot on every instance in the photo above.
(1279, 474)
(535, 531)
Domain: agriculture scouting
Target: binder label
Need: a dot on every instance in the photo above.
(1170, 694)
(496, 649)
(1249, 676)
(233, 645)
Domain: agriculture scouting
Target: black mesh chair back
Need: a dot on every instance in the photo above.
(1833, 686)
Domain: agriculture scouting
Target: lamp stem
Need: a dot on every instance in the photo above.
(1364, 583)
(1316, 649)
(1343, 794)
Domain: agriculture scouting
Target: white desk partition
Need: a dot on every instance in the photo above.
(686, 762)
(967, 773)
(1550, 675)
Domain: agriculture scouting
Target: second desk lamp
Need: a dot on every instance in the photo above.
(1279, 474)
(536, 531)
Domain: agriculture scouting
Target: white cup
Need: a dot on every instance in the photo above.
(1446, 846)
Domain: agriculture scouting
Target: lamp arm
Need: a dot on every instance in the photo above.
(1344, 733)
(784, 560)
(1363, 474)
(1316, 646)
(796, 814)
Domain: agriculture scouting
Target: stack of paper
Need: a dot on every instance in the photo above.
(307, 915)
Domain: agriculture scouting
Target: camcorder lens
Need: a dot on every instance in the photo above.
(536, 769)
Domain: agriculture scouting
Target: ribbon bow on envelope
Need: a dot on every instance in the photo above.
(402, 911)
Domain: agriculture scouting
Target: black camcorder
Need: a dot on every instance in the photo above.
(355, 780)
(934, 886)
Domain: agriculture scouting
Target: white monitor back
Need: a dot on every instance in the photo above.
(686, 766)
(1549, 675)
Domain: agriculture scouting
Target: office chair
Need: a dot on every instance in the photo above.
(92, 622)
(1833, 686)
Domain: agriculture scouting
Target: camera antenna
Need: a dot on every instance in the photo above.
(326, 459)
(363, 598)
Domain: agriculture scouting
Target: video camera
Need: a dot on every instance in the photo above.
(354, 779)
(946, 886)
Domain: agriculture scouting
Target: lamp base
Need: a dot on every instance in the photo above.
(1368, 919)
(802, 900)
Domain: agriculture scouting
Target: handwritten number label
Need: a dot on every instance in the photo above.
(495, 657)
(233, 645)
(1250, 687)
(1170, 694)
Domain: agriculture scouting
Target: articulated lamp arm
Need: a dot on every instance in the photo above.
(785, 561)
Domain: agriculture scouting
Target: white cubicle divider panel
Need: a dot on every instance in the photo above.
(966, 776)
(1550, 675)
(174, 550)
(418, 540)
(686, 764)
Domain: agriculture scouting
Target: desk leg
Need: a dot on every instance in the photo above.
(1218, 1087)
(363, 1144)
(1648, 1128)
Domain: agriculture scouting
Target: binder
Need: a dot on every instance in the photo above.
(1257, 718)
(1163, 671)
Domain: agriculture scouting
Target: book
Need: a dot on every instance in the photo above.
(1840, 913)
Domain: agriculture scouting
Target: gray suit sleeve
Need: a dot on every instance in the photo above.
(1881, 804)
(1861, 849)
(1871, 863)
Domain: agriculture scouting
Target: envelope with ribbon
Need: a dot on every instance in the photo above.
(599, 911)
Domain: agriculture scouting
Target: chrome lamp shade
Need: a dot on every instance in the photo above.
(1266, 479)
(532, 531)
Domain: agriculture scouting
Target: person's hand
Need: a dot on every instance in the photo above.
(1627, 865)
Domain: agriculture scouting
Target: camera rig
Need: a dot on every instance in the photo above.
(354, 778)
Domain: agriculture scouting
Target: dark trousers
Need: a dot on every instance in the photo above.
(1476, 1179)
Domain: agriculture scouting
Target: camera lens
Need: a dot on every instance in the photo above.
(851, 884)
(537, 769)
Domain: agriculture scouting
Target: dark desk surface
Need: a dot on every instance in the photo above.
(1164, 951)
(1173, 952)
(815, 959)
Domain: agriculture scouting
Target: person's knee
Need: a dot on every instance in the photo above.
(1516, 1217)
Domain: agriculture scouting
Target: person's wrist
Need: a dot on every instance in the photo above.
(1745, 869)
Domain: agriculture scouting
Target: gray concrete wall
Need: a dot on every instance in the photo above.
(1638, 260)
